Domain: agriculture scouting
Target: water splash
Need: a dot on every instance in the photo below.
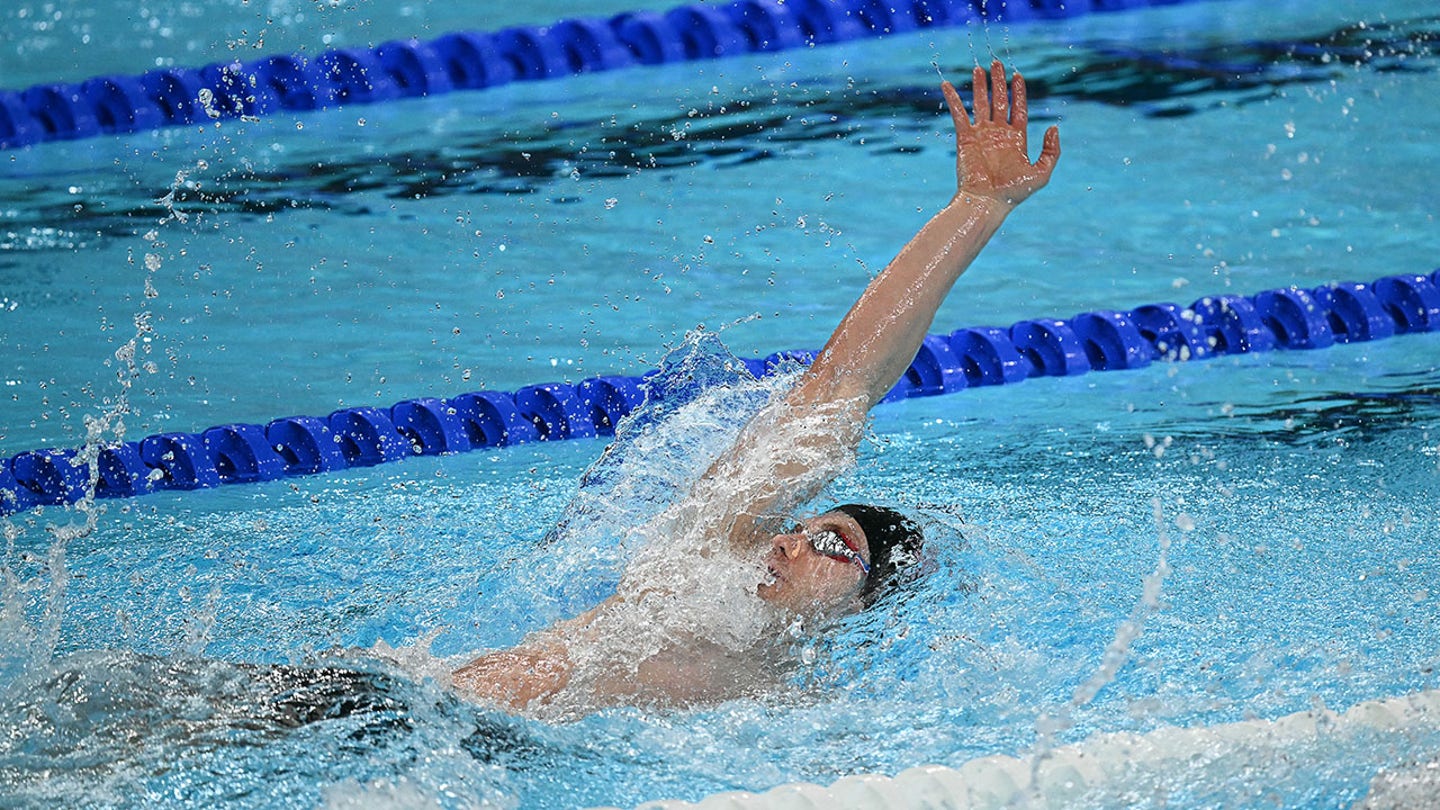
(28, 585)
(651, 522)
(1117, 652)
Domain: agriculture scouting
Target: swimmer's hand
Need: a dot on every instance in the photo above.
(992, 158)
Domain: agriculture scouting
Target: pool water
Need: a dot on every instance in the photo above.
(1284, 502)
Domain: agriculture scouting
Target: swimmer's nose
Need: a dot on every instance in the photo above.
(789, 544)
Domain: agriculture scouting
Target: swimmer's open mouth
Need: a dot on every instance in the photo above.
(774, 575)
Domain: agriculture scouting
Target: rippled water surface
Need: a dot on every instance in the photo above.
(218, 647)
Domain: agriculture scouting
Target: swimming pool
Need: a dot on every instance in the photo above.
(491, 240)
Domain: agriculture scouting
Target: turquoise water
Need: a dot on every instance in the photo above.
(560, 230)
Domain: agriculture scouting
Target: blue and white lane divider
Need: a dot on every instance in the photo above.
(468, 60)
(1290, 318)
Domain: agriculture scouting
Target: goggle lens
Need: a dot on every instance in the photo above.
(835, 545)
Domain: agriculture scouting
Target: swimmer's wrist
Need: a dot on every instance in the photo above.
(982, 203)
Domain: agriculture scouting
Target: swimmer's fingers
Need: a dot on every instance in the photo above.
(992, 153)
(1020, 122)
(1049, 152)
(981, 96)
(957, 107)
(957, 111)
(1020, 113)
(999, 94)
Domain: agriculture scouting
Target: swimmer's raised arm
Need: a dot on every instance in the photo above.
(781, 458)
(878, 338)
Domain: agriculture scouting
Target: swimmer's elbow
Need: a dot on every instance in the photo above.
(828, 382)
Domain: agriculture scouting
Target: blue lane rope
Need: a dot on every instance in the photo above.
(1289, 318)
(468, 60)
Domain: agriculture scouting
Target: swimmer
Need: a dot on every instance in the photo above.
(636, 648)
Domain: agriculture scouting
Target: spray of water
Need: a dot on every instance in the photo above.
(1117, 652)
(29, 585)
(653, 516)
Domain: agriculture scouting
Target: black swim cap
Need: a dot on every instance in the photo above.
(894, 541)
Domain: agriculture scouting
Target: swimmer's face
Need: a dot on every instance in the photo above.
(809, 581)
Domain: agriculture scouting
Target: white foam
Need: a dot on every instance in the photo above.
(1105, 764)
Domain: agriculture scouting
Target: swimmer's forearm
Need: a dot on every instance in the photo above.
(516, 678)
(878, 338)
(531, 673)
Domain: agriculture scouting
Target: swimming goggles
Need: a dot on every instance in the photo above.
(836, 546)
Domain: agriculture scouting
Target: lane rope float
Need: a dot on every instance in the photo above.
(1105, 340)
(474, 60)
